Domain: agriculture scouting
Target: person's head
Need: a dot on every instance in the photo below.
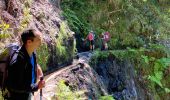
(31, 38)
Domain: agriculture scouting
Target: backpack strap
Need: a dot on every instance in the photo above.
(14, 56)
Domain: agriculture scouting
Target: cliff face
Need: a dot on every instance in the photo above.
(120, 80)
(46, 17)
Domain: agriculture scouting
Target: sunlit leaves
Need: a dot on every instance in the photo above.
(109, 97)
(146, 59)
(64, 92)
(159, 66)
(156, 79)
(167, 90)
(144, 0)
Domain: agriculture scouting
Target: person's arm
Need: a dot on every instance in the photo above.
(39, 72)
(41, 83)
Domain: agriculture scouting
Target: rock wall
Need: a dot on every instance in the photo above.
(44, 16)
(120, 80)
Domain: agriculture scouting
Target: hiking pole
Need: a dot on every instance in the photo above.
(41, 89)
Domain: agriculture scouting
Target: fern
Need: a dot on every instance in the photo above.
(146, 59)
(157, 78)
(159, 66)
(165, 62)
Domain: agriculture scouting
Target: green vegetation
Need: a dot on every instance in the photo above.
(65, 93)
(137, 27)
(1, 98)
(106, 98)
(6, 33)
(65, 46)
(132, 23)
(43, 56)
(26, 15)
(153, 63)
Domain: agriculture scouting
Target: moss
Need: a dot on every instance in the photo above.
(106, 98)
(65, 45)
(64, 92)
(43, 56)
(149, 63)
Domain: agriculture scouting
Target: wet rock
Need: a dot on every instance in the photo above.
(120, 79)
(85, 79)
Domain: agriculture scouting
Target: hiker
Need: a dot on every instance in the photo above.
(90, 38)
(105, 38)
(22, 72)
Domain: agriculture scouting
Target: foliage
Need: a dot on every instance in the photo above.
(73, 21)
(64, 92)
(43, 56)
(65, 46)
(132, 23)
(159, 66)
(1, 98)
(4, 33)
(106, 98)
(26, 15)
(153, 61)
(137, 28)
(149, 61)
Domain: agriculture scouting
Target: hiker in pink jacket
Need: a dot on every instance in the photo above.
(105, 39)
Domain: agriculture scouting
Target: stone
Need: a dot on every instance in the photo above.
(14, 8)
(5, 16)
(2, 5)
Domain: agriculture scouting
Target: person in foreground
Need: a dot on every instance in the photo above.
(22, 72)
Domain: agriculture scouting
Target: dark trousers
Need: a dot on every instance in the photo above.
(20, 96)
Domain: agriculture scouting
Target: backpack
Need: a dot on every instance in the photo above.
(7, 57)
(91, 36)
(106, 36)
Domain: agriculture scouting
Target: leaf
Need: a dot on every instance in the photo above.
(167, 90)
(108, 97)
(146, 59)
(157, 67)
(152, 59)
(159, 75)
(6, 26)
(165, 62)
(154, 79)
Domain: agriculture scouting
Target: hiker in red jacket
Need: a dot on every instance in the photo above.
(90, 38)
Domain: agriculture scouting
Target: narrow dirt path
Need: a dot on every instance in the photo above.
(49, 89)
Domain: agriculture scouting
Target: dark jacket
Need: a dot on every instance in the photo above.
(20, 73)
